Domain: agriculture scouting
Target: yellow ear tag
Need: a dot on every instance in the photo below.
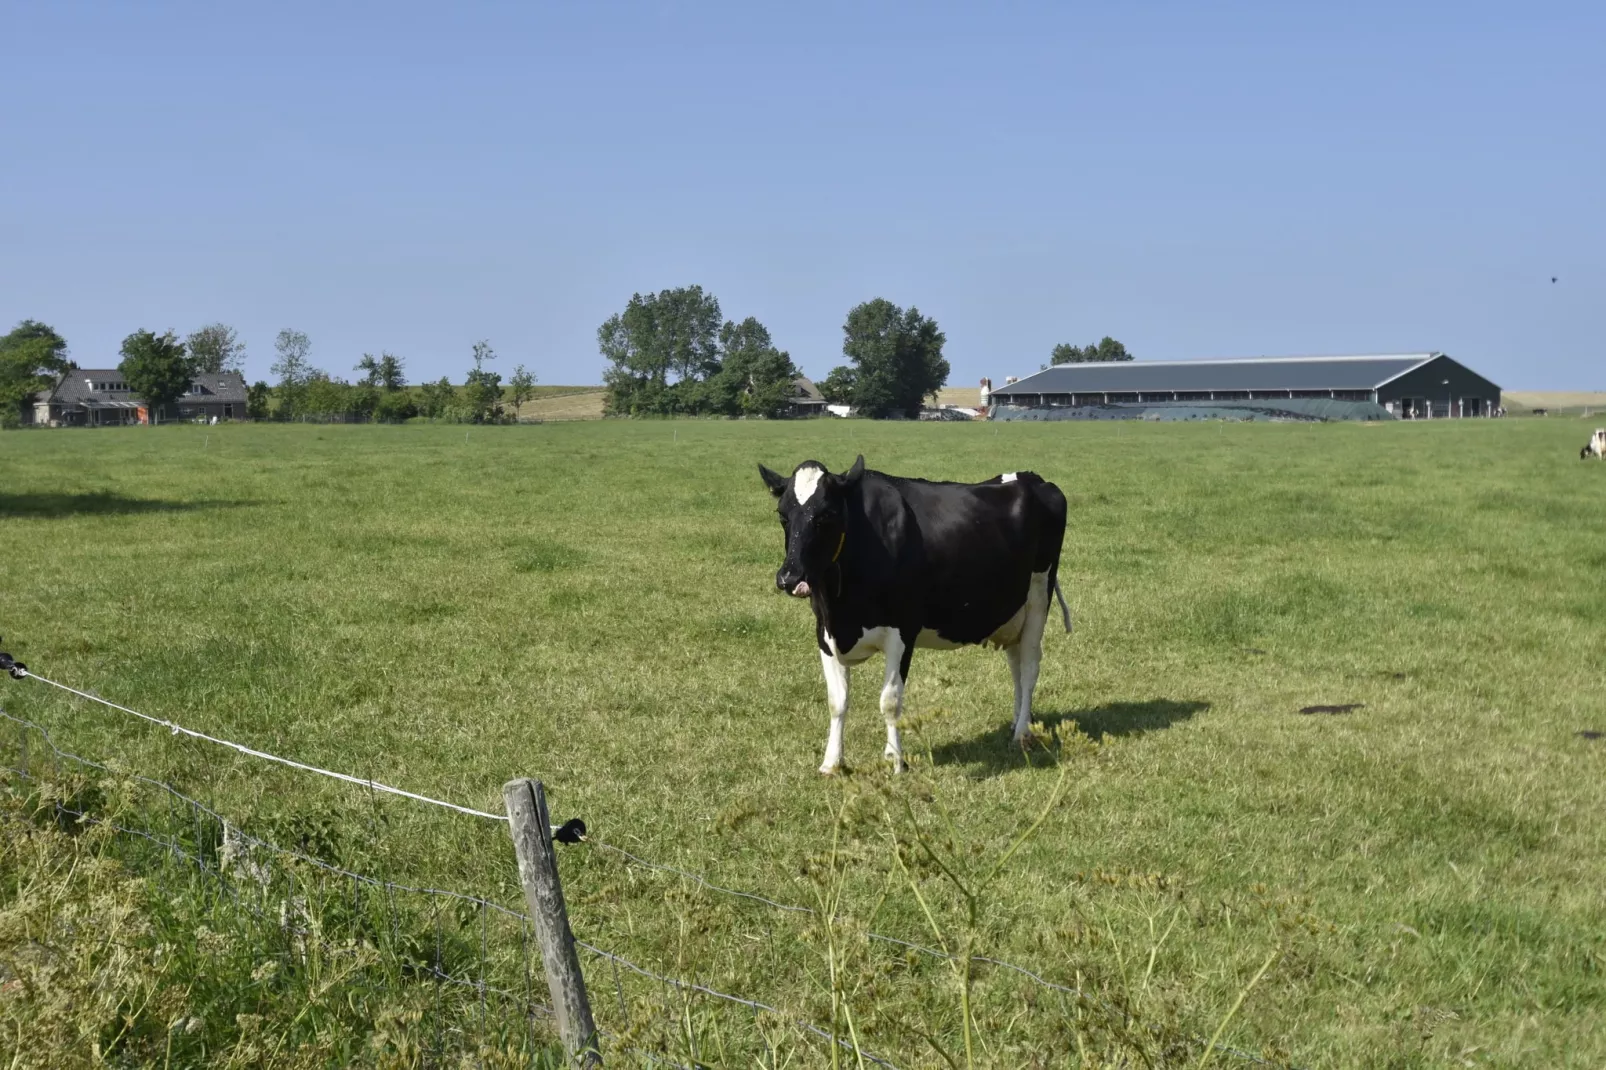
(840, 542)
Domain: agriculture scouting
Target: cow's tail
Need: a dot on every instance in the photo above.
(1065, 610)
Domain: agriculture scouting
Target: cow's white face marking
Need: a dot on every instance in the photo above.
(1010, 477)
(805, 483)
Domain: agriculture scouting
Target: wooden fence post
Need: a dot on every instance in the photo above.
(538, 872)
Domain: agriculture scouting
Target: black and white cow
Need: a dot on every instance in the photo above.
(890, 564)
(1595, 447)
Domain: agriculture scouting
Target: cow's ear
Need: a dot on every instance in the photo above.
(854, 474)
(773, 480)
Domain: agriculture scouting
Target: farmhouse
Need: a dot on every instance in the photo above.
(1407, 386)
(806, 399)
(98, 397)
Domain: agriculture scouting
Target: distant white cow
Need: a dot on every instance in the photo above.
(1595, 447)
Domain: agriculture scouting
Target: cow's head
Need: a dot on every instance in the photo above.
(812, 506)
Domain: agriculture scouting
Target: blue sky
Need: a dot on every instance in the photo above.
(1230, 179)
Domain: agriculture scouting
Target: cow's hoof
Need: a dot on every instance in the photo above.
(829, 770)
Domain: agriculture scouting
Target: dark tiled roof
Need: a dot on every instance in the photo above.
(806, 392)
(221, 386)
(1262, 373)
(76, 387)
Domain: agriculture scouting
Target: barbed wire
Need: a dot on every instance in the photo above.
(910, 945)
(793, 908)
(593, 842)
(23, 673)
(752, 1004)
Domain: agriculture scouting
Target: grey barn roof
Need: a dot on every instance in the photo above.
(1260, 373)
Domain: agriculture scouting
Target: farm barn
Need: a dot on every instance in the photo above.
(1402, 386)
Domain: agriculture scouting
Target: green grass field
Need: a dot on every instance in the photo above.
(592, 603)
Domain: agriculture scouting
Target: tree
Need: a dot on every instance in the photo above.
(1107, 349)
(293, 369)
(321, 395)
(32, 356)
(662, 347)
(256, 400)
(328, 396)
(216, 348)
(897, 357)
(386, 373)
(521, 387)
(482, 390)
(838, 387)
(435, 399)
(394, 406)
(754, 378)
(157, 369)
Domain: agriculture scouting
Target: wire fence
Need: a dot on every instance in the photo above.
(231, 857)
(193, 852)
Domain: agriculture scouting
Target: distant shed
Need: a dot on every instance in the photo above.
(1387, 387)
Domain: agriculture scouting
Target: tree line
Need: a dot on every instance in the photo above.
(669, 353)
(1104, 350)
(159, 369)
(673, 353)
(382, 394)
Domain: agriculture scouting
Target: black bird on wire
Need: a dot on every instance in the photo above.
(11, 666)
(571, 831)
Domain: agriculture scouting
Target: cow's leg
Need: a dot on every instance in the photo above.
(1027, 655)
(1013, 654)
(836, 691)
(898, 654)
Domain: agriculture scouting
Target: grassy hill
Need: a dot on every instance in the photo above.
(1559, 402)
(565, 403)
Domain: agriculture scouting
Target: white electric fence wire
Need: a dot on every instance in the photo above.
(178, 729)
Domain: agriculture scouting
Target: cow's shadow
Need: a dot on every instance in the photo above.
(995, 751)
(97, 503)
